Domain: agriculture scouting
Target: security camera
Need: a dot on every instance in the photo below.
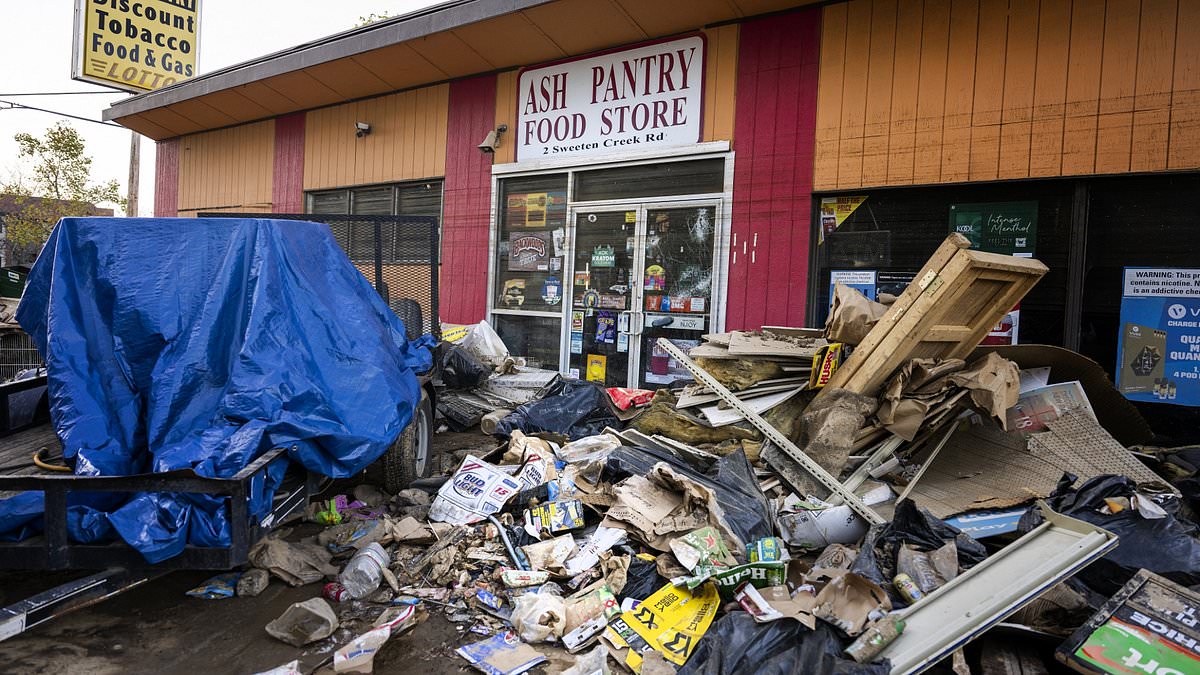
(361, 129)
(492, 140)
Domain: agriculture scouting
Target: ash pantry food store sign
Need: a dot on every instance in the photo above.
(648, 96)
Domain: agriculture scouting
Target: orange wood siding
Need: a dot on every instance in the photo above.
(506, 113)
(938, 91)
(407, 140)
(720, 82)
(227, 170)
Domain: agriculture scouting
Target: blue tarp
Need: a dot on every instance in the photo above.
(176, 343)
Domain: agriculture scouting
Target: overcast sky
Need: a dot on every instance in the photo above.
(35, 48)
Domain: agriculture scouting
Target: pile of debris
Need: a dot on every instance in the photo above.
(869, 498)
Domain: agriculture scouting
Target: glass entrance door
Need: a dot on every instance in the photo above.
(605, 265)
(640, 272)
(676, 288)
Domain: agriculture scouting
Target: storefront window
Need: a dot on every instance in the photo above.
(530, 264)
(701, 176)
(422, 198)
(880, 239)
(1142, 222)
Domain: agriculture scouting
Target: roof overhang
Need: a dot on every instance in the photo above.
(444, 42)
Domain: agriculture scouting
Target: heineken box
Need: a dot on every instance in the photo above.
(1149, 626)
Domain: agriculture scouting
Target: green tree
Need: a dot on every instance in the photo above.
(371, 18)
(59, 185)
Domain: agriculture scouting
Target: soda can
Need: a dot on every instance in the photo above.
(907, 588)
(335, 592)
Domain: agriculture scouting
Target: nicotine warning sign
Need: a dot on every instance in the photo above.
(1159, 348)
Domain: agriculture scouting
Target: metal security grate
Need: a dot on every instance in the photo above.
(399, 254)
(17, 354)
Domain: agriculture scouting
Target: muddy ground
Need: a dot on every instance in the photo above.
(156, 628)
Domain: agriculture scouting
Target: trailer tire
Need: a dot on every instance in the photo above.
(411, 456)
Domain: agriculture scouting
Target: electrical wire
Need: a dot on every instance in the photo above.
(12, 106)
(63, 93)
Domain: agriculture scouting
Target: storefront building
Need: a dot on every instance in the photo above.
(675, 168)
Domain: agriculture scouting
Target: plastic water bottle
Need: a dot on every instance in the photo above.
(363, 574)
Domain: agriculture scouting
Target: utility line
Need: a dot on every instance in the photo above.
(18, 106)
(63, 93)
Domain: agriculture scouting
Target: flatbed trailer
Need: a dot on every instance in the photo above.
(112, 567)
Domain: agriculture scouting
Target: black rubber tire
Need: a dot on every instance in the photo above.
(400, 461)
(409, 311)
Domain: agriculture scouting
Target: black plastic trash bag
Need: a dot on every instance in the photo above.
(458, 368)
(641, 580)
(919, 529)
(1166, 546)
(573, 408)
(731, 478)
(736, 645)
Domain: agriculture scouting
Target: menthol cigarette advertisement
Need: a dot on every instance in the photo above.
(1158, 356)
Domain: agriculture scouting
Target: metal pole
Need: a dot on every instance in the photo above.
(379, 260)
(135, 173)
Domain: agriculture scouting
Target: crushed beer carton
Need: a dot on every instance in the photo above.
(475, 491)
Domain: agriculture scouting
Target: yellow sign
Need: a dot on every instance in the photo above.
(597, 367)
(835, 211)
(135, 45)
(671, 621)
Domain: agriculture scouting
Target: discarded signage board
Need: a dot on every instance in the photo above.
(981, 597)
(671, 621)
(957, 297)
(1149, 626)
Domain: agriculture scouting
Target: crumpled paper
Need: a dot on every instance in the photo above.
(852, 315)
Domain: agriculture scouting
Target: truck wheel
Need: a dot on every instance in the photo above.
(411, 456)
(409, 311)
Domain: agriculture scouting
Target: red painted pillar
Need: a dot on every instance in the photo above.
(166, 179)
(287, 188)
(466, 202)
(774, 135)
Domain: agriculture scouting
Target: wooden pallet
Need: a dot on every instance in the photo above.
(957, 297)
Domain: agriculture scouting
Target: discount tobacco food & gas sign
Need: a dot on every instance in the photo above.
(135, 45)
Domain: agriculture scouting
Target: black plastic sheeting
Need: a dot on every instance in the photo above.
(731, 478)
(574, 408)
(736, 645)
(918, 528)
(1166, 546)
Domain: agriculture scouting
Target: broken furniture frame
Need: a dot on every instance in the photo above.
(773, 435)
(981, 597)
(957, 297)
